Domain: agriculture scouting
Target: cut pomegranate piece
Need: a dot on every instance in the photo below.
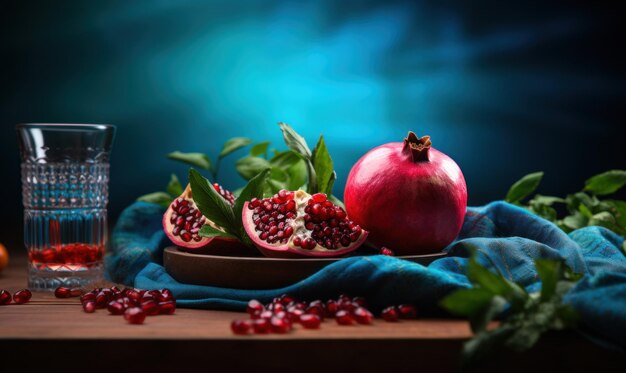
(294, 224)
(182, 222)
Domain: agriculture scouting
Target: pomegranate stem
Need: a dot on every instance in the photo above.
(417, 147)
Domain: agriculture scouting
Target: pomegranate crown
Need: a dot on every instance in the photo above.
(417, 147)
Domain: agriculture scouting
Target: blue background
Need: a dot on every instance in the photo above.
(503, 88)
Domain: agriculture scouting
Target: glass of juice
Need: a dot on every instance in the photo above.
(65, 177)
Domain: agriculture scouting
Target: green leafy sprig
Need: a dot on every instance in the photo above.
(528, 315)
(584, 208)
(295, 168)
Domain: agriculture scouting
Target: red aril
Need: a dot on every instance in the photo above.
(240, 326)
(362, 316)
(390, 314)
(135, 315)
(407, 311)
(261, 326)
(280, 325)
(344, 317)
(5, 297)
(116, 308)
(310, 321)
(408, 195)
(22, 296)
(167, 308)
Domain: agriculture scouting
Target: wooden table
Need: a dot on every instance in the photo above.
(49, 331)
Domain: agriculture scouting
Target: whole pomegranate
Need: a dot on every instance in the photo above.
(408, 195)
(182, 222)
(297, 224)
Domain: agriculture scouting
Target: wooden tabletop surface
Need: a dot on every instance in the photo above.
(48, 325)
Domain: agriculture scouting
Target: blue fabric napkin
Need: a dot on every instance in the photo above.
(505, 236)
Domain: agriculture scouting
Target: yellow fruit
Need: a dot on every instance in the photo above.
(4, 257)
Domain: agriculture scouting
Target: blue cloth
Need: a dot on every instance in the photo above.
(505, 236)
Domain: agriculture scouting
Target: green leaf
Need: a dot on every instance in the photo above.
(199, 160)
(285, 159)
(584, 210)
(234, 144)
(249, 167)
(297, 175)
(550, 272)
(210, 232)
(618, 209)
(466, 302)
(174, 188)
(606, 183)
(160, 198)
(294, 141)
(523, 187)
(496, 284)
(607, 220)
(254, 189)
(211, 203)
(575, 221)
(259, 149)
(323, 165)
(480, 319)
(539, 199)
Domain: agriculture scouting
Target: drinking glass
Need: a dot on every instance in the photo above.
(65, 176)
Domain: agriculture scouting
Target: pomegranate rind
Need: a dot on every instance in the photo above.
(289, 250)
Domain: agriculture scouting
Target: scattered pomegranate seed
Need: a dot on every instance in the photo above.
(280, 325)
(62, 292)
(150, 307)
(344, 317)
(363, 316)
(116, 308)
(5, 297)
(386, 251)
(261, 326)
(167, 308)
(390, 314)
(22, 296)
(89, 307)
(407, 311)
(135, 315)
(310, 321)
(240, 326)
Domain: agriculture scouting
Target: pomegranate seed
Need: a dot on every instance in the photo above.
(344, 317)
(310, 321)
(89, 297)
(240, 327)
(261, 326)
(390, 314)
(294, 314)
(386, 251)
(135, 315)
(76, 292)
(89, 307)
(316, 310)
(22, 296)
(62, 292)
(331, 308)
(167, 307)
(280, 325)
(266, 315)
(101, 300)
(363, 316)
(116, 308)
(5, 297)
(285, 299)
(318, 197)
(276, 307)
(360, 301)
(254, 306)
(150, 307)
(407, 311)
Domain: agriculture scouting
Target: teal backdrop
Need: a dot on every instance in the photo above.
(504, 88)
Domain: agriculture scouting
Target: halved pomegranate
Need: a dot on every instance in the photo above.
(293, 224)
(182, 222)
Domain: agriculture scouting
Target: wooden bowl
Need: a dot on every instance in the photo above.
(251, 272)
